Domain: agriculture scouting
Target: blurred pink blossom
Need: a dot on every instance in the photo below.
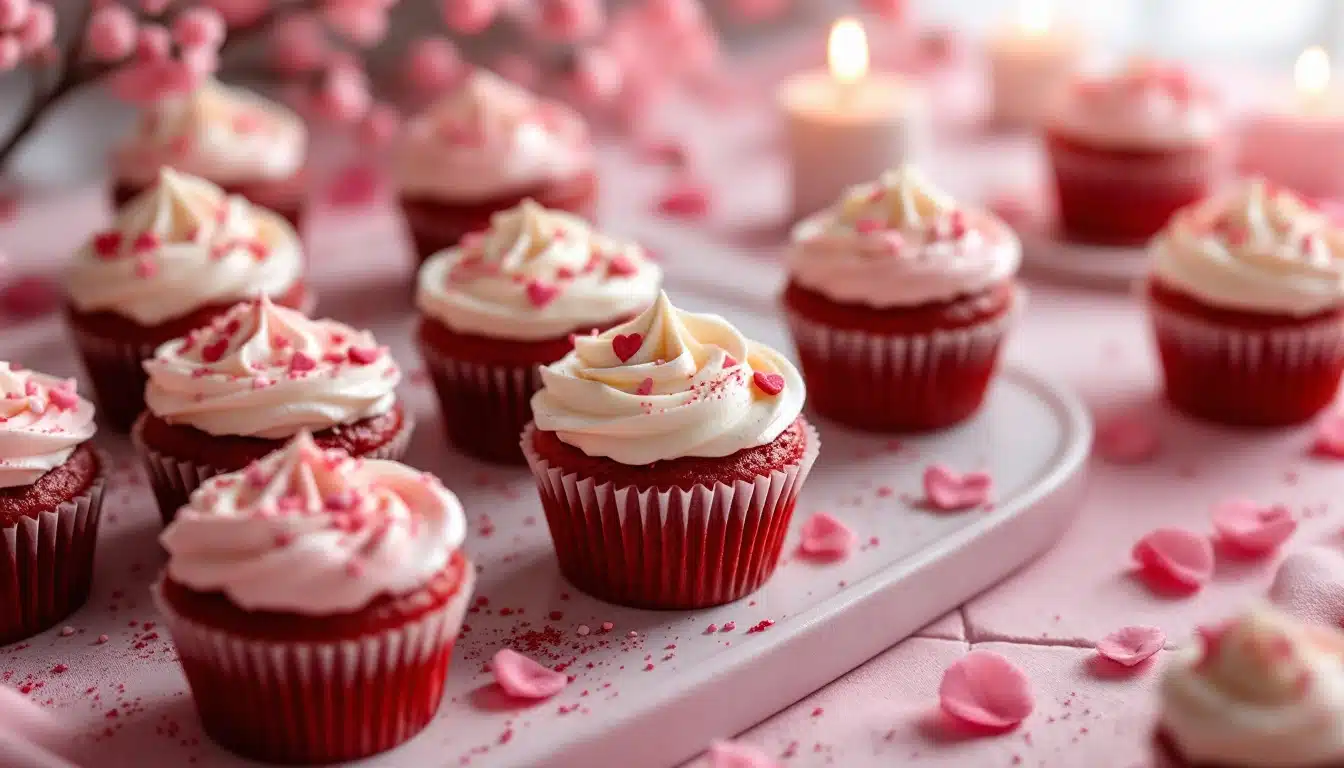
(152, 44)
(519, 69)
(13, 12)
(358, 21)
(154, 7)
(10, 53)
(433, 64)
(199, 27)
(111, 33)
(569, 20)
(469, 16)
(597, 76)
(299, 44)
(343, 95)
(37, 30)
(238, 13)
(379, 126)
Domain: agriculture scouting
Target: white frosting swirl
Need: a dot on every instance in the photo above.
(487, 139)
(227, 135)
(686, 387)
(42, 421)
(1253, 247)
(1264, 692)
(314, 532)
(262, 370)
(536, 274)
(899, 242)
(180, 245)
(1147, 106)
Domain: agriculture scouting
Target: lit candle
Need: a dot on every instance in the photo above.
(847, 125)
(1029, 60)
(1299, 141)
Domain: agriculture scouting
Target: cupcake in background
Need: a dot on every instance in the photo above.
(229, 136)
(485, 148)
(341, 581)
(177, 256)
(1259, 691)
(510, 299)
(1246, 295)
(51, 497)
(232, 392)
(669, 453)
(898, 300)
(1130, 149)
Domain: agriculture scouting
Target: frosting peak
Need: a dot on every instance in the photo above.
(267, 371)
(667, 385)
(314, 532)
(42, 421)
(1147, 104)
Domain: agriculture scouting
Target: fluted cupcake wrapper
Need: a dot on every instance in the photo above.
(117, 376)
(672, 549)
(46, 562)
(484, 407)
(173, 479)
(308, 703)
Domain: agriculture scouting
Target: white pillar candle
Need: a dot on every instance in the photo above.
(1029, 61)
(847, 125)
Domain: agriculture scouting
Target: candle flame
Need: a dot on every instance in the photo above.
(847, 51)
(1312, 72)
(1033, 16)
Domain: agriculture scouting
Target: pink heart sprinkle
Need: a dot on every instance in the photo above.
(627, 346)
(621, 266)
(540, 294)
(726, 754)
(211, 353)
(1127, 439)
(107, 245)
(64, 398)
(1251, 528)
(983, 688)
(1310, 586)
(769, 383)
(947, 490)
(1329, 440)
(301, 363)
(1131, 645)
(524, 678)
(1175, 556)
(362, 355)
(685, 199)
(645, 387)
(826, 538)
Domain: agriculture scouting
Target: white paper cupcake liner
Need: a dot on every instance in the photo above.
(484, 407)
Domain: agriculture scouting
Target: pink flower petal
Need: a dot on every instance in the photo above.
(826, 538)
(1175, 557)
(726, 754)
(947, 490)
(983, 688)
(1329, 440)
(1310, 586)
(685, 199)
(1127, 439)
(524, 678)
(1252, 528)
(1131, 645)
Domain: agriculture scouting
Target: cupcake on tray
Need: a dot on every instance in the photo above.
(483, 149)
(1246, 295)
(177, 256)
(669, 453)
(898, 300)
(1260, 691)
(229, 136)
(315, 599)
(1130, 149)
(232, 392)
(51, 496)
(508, 300)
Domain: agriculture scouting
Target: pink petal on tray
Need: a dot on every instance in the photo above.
(826, 538)
(947, 490)
(1175, 557)
(1252, 528)
(726, 754)
(1131, 645)
(985, 689)
(524, 678)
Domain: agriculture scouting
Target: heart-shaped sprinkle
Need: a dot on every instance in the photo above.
(1127, 439)
(729, 361)
(1253, 529)
(540, 294)
(524, 678)
(947, 490)
(645, 387)
(212, 352)
(984, 689)
(145, 241)
(64, 397)
(726, 754)
(1310, 586)
(1129, 646)
(1329, 440)
(769, 383)
(362, 355)
(621, 266)
(627, 345)
(301, 363)
(1175, 557)
(826, 538)
(107, 245)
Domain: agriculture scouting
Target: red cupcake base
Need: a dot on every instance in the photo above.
(1168, 756)
(285, 198)
(1245, 368)
(899, 370)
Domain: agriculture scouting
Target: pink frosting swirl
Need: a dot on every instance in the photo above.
(42, 421)
(1148, 105)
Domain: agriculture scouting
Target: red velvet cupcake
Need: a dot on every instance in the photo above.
(292, 564)
(669, 453)
(899, 301)
(238, 389)
(229, 136)
(508, 300)
(51, 497)
(1246, 295)
(1129, 150)
(178, 256)
(483, 149)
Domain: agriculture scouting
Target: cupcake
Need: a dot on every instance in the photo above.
(229, 136)
(1261, 691)
(179, 255)
(51, 495)
(669, 453)
(1246, 295)
(483, 149)
(314, 599)
(508, 300)
(898, 301)
(232, 392)
(1128, 150)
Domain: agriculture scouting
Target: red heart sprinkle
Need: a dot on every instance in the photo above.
(212, 352)
(1252, 529)
(984, 689)
(362, 355)
(1174, 557)
(301, 363)
(627, 346)
(524, 678)
(107, 245)
(257, 248)
(645, 387)
(769, 383)
(729, 361)
(1129, 646)
(145, 241)
(541, 294)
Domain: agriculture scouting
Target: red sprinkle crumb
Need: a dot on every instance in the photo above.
(102, 639)
(817, 712)
(761, 626)
(59, 669)
(729, 626)
(711, 629)
(607, 626)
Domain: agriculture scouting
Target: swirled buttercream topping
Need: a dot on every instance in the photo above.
(1149, 104)
(42, 421)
